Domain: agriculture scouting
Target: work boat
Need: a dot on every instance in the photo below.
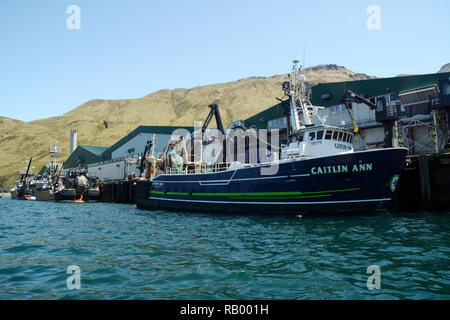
(77, 186)
(46, 181)
(318, 171)
(22, 189)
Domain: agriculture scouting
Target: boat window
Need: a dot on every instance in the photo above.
(312, 136)
(340, 135)
(344, 139)
(349, 136)
(335, 134)
(319, 135)
(300, 137)
(328, 135)
(351, 139)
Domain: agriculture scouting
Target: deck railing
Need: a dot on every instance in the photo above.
(195, 168)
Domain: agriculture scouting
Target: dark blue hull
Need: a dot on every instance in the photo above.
(72, 195)
(354, 182)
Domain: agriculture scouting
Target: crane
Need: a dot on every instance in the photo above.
(24, 177)
(216, 113)
(148, 146)
(350, 97)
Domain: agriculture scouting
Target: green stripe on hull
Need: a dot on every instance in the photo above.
(289, 197)
(256, 195)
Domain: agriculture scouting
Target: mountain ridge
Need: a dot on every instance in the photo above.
(445, 68)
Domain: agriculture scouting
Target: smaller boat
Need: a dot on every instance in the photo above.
(77, 186)
(29, 197)
(46, 181)
(23, 188)
(43, 189)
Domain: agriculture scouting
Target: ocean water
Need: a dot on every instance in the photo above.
(125, 253)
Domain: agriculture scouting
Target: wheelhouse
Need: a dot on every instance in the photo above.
(318, 141)
(324, 133)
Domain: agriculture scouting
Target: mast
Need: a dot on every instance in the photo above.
(299, 114)
(24, 178)
(301, 110)
(54, 154)
(154, 145)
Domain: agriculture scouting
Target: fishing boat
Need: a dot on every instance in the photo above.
(77, 186)
(317, 171)
(23, 187)
(47, 180)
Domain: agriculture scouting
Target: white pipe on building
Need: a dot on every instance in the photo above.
(73, 140)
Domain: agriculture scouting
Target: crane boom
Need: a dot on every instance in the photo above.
(350, 97)
(24, 178)
(148, 146)
(216, 113)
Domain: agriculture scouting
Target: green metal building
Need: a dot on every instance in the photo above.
(330, 94)
(85, 155)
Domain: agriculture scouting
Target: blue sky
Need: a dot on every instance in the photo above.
(128, 49)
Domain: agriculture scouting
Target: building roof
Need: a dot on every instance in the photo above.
(260, 120)
(330, 94)
(96, 150)
(85, 154)
(141, 129)
(335, 90)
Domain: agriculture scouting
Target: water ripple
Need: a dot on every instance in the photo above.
(124, 253)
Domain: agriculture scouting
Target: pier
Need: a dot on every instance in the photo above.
(4, 193)
(118, 191)
(423, 185)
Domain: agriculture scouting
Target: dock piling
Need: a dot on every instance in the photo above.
(424, 178)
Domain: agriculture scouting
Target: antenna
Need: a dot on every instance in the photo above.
(54, 153)
(304, 56)
(301, 109)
